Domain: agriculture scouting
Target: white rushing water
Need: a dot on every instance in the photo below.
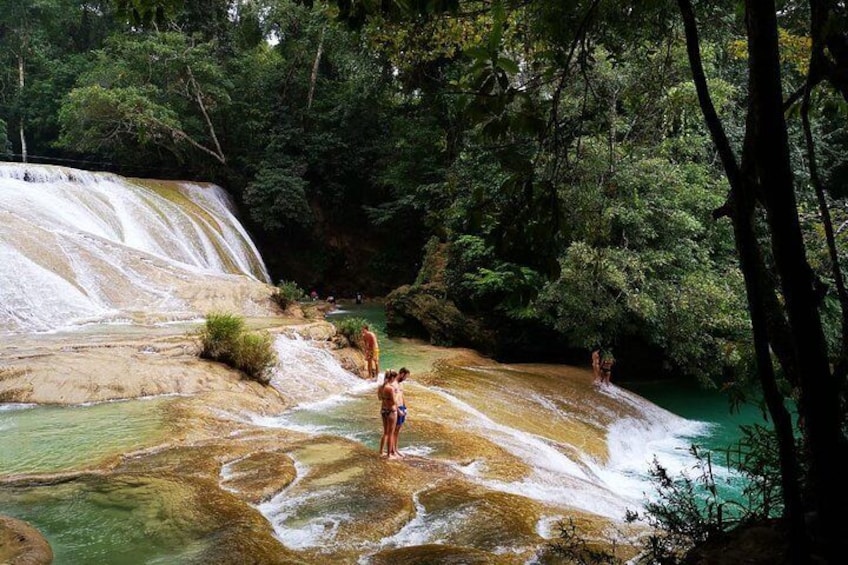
(78, 247)
(330, 401)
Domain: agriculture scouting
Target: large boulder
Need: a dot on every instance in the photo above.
(422, 311)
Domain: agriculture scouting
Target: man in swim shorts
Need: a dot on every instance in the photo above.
(372, 351)
(403, 373)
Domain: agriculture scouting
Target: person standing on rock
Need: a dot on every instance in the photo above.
(387, 392)
(596, 366)
(372, 351)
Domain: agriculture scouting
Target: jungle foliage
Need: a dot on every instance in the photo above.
(563, 164)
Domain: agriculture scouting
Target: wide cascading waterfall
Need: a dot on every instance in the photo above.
(78, 246)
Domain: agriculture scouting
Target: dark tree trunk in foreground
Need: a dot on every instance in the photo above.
(766, 173)
(818, 387)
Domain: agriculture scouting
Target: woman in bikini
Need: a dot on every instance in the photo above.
(402, 375)
(607, 362)
(387, 393)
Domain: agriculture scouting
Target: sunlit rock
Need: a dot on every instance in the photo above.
(21, 544)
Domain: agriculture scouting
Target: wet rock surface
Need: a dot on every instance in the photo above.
(22, 544)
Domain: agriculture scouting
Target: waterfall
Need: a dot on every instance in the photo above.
(79, 247)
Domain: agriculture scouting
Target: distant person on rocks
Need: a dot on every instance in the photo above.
(607, 362)
(403, 374)
(359, 298)
(314, 294)
(387, 393)
(596, 365)
(372, 351)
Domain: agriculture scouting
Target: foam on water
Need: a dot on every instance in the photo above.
(295, 530)
(311, 374)
(15, 406)
(227, 474)
(424, 528)
(606, 489)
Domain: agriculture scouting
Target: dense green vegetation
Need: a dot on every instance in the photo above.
(287, 293)
(659, 178)
(224, 338)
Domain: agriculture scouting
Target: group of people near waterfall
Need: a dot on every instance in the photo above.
(602, 362)
(390, 393)
(393, 409)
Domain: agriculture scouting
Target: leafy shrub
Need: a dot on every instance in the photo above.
(224, 339)
(219, 336)
(687, 511)
(286, 293)
(255, 356)
(756, 457)
(351, 328)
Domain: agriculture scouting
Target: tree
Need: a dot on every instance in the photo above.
(159, 89)
(764, 175)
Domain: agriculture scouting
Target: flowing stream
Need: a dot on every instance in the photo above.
(496, 456)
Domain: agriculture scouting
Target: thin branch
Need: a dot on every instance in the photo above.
(816, 181)
(199, 96)
(693, 49)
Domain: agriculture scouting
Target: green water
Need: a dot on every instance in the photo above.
(91, 520)
(99, 521)
(695, 403)
(47, 439)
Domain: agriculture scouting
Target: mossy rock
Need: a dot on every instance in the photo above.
(421, 311)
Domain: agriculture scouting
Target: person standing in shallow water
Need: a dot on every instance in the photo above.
(596, 365)
(387, 393)
(607, 362)
(372, 351)
(403, 374)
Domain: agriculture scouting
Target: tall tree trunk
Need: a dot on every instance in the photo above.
(757, 285)
(21, 120)
(314, 77)
(819, 392)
